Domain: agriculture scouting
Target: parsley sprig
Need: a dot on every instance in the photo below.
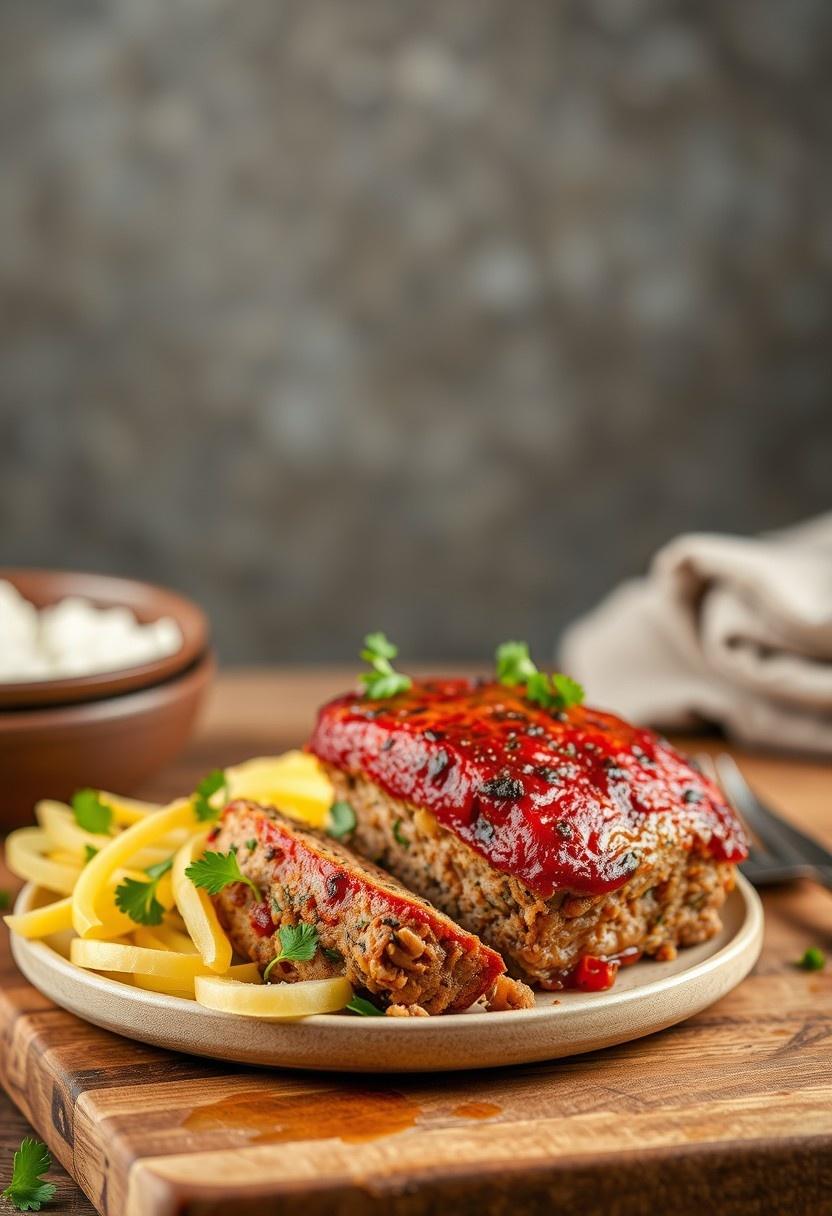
(91, 813)
(137, 898)
(551, 691)
(298, 944)
(201, 798)
(214, 871)
(812, 960)
(26, 1191)
(383, 681)
(364, 1008)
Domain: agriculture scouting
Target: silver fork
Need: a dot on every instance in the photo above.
(783, 852)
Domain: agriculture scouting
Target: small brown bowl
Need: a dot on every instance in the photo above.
(112, 744)
(147, 602)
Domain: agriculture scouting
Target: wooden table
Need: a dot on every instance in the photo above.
(729, 1112)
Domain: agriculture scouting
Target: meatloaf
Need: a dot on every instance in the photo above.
(388, 942)
(569, 841)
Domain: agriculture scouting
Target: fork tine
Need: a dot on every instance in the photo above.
(788, 843)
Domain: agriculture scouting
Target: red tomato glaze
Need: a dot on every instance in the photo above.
(561, 800)
(341, 887)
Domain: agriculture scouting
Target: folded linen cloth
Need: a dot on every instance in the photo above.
(722, 629)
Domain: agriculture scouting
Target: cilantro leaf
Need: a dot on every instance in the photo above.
(382, 681)
(378, 645)
(514, 667)
(90, 812)
(5, 900)
(340, 820)
(215, 871)
(365, 1009)
(398, 834)
(89, 852)
(813, 960)
(537, 689)
(26, 1191)
(513, 663)
(208, 786)
(569, 691)
(137, 899)
(298, 944)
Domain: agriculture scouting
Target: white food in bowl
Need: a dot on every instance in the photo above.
(75, 638)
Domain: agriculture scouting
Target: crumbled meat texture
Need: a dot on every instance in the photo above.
(406, 1011)
(672, 899)
(387, 941)
(509, 994)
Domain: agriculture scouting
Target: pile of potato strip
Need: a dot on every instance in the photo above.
(188, 955)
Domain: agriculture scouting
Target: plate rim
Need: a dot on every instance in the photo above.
(748, 937)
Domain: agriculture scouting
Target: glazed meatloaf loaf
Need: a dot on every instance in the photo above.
(569, 841)
(391, 944)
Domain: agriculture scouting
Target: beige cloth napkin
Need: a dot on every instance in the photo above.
(722, 629)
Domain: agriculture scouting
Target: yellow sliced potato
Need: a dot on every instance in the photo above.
(164, 892)
(295, 782)
(40, 922)
(128, 811)
(196, 909)
(120, 851)
(58, 821)
(26, 851)
(148, 937)
(64, 858)
(137, 960)
(245, 972)
(170, 987)
(299, 1000)
(174, 940)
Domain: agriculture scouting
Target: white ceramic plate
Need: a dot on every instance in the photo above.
(646, 997)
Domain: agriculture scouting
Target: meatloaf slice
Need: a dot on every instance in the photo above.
(672, 900)
(387, 941)
(558, 836)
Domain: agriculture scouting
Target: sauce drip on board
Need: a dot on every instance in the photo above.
(567, 800)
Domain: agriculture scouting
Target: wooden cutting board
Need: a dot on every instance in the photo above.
(729, 1112)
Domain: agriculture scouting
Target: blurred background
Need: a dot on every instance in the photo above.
(435, 318)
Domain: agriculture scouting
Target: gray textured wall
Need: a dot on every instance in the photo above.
(435, 317)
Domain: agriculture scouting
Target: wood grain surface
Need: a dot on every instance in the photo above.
(730, 1112)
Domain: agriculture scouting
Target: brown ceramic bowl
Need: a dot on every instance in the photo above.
(112, 744)
(147, 602)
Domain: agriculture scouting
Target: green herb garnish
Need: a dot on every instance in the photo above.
(515, 667)
(366, 1009)
(137, 899)
(813, 960)
(340, 820)
(383, 681)
(251, 845)
(89, 853)
(513, 663)
(91, 813)
(5, 900)
(298, 944)
(26, 1191)
(334, 956)
(399, 836)
(208, 786)
(214, 871)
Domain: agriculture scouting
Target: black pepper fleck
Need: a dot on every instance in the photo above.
(504, 788)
